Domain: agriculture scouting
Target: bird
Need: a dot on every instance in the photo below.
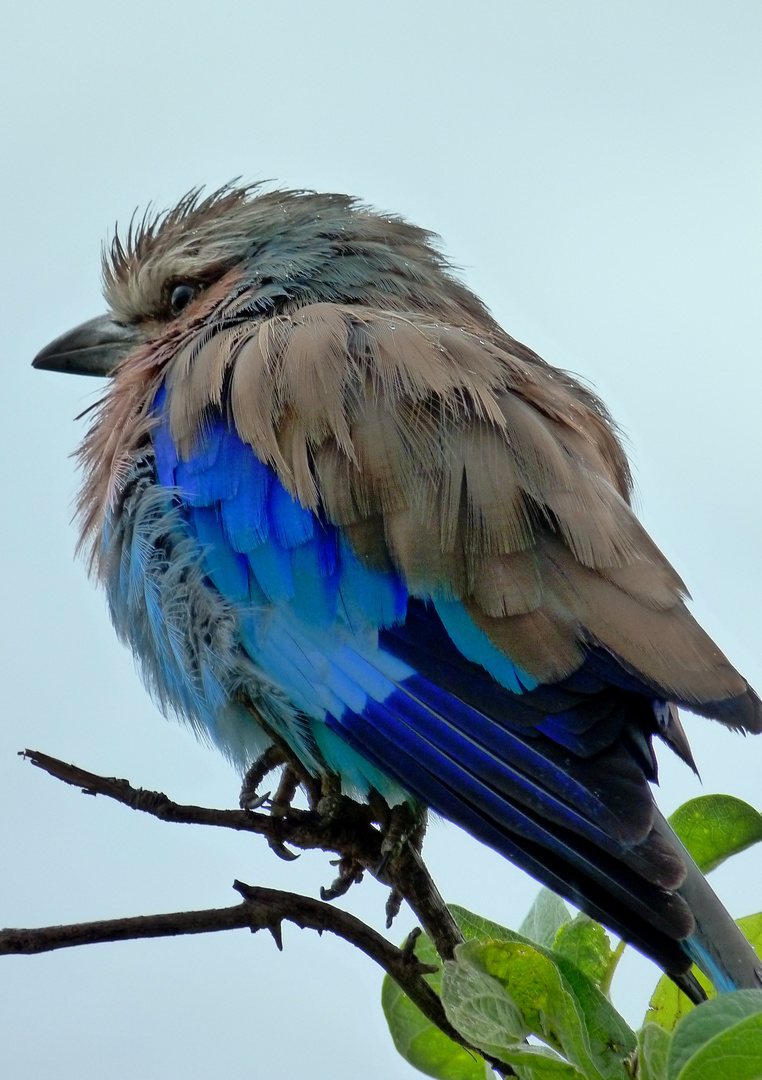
(336, 508)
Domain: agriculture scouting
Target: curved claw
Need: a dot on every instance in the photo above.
(380, 869)
(340, 887)
(253, 802)
(393, 905)
(282, 851)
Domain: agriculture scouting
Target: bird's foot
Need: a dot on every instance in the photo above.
(329, 806)
(392, 906)
(280, 802)
(250, 798)
(400, 825)
(350, 873)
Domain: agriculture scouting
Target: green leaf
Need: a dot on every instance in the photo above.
(719, 1040)
(714, 827)
(419, 1042)
(422, 1044)
(668, 1005)
(536, 986)
(476, 928)
(478, 1006)
(735, 1054)
(545, 918)
(536, 1063)
(502, 991)
(539, 1063)
(752, 928)
(427, 1049)
(586, 944)
(653, 1047)
(613, 1040)
(558, 1004)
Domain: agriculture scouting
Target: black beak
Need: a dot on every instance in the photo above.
(93, 348)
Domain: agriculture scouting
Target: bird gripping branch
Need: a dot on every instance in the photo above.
(336, 507)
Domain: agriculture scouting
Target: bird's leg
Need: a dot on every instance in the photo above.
(277, 754)
(401, 824)
(406, 823)
(281, 804)
(250, 799)
(331, 797)
(329, 806)
(291, 777)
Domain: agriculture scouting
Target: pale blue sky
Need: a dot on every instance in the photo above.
(595, 170)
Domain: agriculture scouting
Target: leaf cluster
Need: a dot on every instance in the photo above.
(537, 1000)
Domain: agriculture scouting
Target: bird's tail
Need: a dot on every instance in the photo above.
(717, 946)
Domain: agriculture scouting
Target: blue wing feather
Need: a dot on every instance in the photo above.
(290, 522)
(474, 644)
(244, 515)
(228, 569)
(271, 566)
(315, 583)
(370, 599)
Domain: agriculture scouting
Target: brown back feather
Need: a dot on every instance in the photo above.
(469, 464)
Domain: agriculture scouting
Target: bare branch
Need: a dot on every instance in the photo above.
(348, 830)
(261, 909)
(351, 834)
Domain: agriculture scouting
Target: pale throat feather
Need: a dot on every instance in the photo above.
(118, 434)
(122, 420)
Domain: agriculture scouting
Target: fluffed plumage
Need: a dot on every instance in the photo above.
(334, 504)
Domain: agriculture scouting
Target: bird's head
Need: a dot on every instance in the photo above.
(185, 288)
(242, 253)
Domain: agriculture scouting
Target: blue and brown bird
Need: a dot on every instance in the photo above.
(336, 508)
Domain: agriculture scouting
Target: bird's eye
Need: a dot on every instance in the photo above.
(181, 296)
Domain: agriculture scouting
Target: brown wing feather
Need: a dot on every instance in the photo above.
(476, 469)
